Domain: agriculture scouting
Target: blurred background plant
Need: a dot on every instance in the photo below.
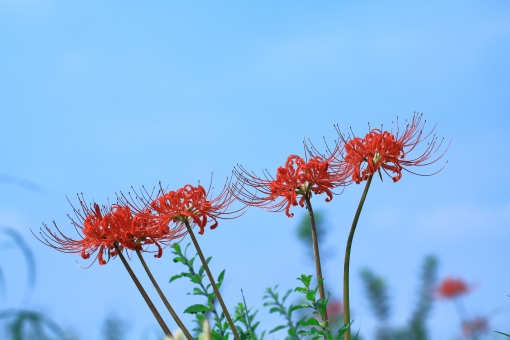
(376, 291)
(472, 327)
(21, 322)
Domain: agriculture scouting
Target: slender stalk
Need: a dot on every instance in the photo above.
(347, 311)
(153, 309)
(211, 279)
(164, 299)
(316, 255)
(461, 309)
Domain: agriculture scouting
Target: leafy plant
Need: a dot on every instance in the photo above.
(245, 317)
(319, 327)
(277, 306)
(377, 293)
(201, 311)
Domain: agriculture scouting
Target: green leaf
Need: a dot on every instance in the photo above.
(215, 335)
(303, 305)
(190, 262)
(310, 332)
(196, 279)
(310, 296)
(301, 290)
(179, 259)
(177, 247)
(286, 295)
(211, 296)
(196, 309)
(310, 322)
(344, 329)
(292, 332)
(197, 291)
(275, 309)
(507, 335)
(175, 277)
(220, 278)
(277, 329)
(321, 305)
(306, 279)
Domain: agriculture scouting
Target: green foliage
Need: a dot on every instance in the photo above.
(377, 293)
(319, 328)
(314, 326)
(114, 328)
(23, 324)
(19, 242)
(507, 335)
(272, 300)
(219, 328)
(245, 322)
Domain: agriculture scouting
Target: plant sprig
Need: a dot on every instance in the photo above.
(319, 326)
(220, 327)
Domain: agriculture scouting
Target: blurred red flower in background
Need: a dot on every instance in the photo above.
(475, 326)
(335, 309)
(451, 287)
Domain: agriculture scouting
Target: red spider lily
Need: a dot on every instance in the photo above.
(384, 150)
(474, 327)
(297, 177)
(335, 309)
(100, 229)
(451, 287)
(195, 204)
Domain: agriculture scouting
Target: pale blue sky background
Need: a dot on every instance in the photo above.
(97, 96)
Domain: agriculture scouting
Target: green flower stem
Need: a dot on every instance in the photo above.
(164, 299)
(153, 309)
(347, 312)
(211, 279)
(316, 255)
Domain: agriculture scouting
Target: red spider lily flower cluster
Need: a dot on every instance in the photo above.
(384, 150)
(451, 288)
(297, 178)
(195, 205)
(132, 226)
(335, 309)
(475, 327)
(100, 229)
(352, 160)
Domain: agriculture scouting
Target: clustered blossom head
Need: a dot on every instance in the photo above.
(387, 151)
(351, 160)
(102, 229)
(475, 327)
(196, 206)
(138, 225)
(297, 178)
(452, 287)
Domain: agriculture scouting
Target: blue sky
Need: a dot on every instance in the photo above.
(96, 97)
